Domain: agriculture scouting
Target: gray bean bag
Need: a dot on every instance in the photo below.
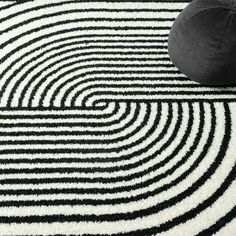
(202, 42)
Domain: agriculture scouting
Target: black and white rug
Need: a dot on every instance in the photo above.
(100, 134)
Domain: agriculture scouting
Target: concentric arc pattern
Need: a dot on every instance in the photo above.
(100, 134)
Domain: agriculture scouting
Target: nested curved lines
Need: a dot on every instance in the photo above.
(26, 89)
(122, 34)
(115, 190)
(113, 72)
(165, 161)
(16, 71)
(129, 128)
(122, 114)
(43, 25)
(87, 131)
(161, 122)
(23, 9)
(78, 37)
(57, 12)
(8, 42)
(36, 76)
(82, 34)
(145, 182)
(109, 113)
(158, 149)
(113, 186)
(89, 126)
(78, 95)
(139, 126)
(133, 146)
(124, 164)
(163, 131)
(218, 192)
(60, 81)
(81, 145)
(49, 86)
(112, 115)
(106, 110)
(18, 37)
(161, 206)
(63, 57)
(6, 81)
(117, 65)
(75, 150)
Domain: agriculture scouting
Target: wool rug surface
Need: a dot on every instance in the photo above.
(100, 134)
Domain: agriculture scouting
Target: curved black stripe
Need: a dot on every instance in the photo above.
(118, 149)
(101, 150)
(85, 9)
(155, 209)
(56, 117)
(62, 32)
(17, 84)
(7, 6)
(37, 29)
(67, 132)
(4, 87)
(124, 93)
(61, 59)
(86, 19)
(142, 162)
(116, 68)
(62, 39)
(120, 86)
(126, 188)
(88, 141)
(100, 122)
(222, 222)
(159, 137)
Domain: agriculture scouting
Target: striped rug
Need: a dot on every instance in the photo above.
(100, 134)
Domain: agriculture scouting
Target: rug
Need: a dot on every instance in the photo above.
(100, 134)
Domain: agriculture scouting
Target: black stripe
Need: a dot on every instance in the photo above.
(78, 132)
(116, 28)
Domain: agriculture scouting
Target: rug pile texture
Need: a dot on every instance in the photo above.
(100, 134)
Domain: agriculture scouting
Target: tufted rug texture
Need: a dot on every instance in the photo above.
(100, 134)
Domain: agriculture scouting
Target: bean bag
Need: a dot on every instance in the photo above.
(202, 42)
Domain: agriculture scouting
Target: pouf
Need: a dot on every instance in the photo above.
(202, 42)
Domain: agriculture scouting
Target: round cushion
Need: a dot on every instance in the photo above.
(202, 42)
